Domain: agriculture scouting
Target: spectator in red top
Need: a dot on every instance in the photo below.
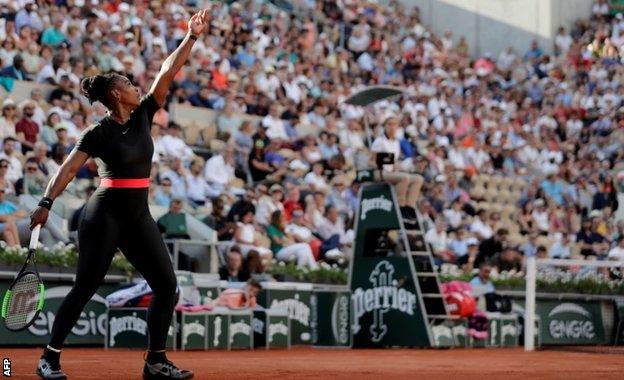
(26, 128)
(292, 202)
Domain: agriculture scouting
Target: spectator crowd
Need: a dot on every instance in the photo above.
(543, 130)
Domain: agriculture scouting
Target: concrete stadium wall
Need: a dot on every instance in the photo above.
(492, 25)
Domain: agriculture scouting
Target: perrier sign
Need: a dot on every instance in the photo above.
(386, 303)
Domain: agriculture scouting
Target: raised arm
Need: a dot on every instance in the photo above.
(196, 25)
(59, 182)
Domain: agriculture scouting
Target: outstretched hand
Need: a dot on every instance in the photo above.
(199, 22)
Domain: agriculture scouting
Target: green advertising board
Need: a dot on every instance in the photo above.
(503, 330)
(240, 334)
(218, 330)
(271, 328)
(193, 331)
(570, 321)
(387, 306)
(127, 328)
(331, 316)
(565, 323)
(90, 328)
(294, 297)
(451, 332)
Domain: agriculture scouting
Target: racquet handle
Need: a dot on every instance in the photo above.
(34, 237)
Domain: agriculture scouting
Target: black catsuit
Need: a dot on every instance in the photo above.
(120, 218)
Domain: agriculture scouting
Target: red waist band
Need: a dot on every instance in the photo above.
(125, 183)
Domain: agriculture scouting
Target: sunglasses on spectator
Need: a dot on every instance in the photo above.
(31, 169)
(4, 166)
(2, 191)
(166, 184)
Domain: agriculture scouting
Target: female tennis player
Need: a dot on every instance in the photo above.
(117, 214)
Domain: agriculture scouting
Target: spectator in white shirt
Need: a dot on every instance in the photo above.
(563, 41)
(540, 216)
(407, 185)
(315, 178)
(455, 214)
(197, 188)
(269, 204)
(174, 145)
(10, 154)
(298, 229)
(159, 148)
(437, 238)
(561, 249)
(617, 252)
(276, 130)
(219, 170)
(478, 156)
(480, 227)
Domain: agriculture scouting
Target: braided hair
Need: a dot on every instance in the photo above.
(96, 87)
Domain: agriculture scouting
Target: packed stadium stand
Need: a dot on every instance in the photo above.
(515, 147)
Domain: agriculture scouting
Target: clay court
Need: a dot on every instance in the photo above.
(309, 363)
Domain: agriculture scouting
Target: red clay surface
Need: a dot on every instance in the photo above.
(309, 363)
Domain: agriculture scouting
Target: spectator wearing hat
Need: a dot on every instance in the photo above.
(407, 185)
(7, 120)
(62, 138)
(26, 128)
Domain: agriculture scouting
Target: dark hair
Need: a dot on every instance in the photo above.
(254, 262)
(96, 87)
(275, 218)
(254, 283)
(6, 139)
(235, 248)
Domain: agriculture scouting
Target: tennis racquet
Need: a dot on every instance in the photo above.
(24, 299)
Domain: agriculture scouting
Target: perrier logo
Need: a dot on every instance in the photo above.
(378, 203)
(383, 297)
